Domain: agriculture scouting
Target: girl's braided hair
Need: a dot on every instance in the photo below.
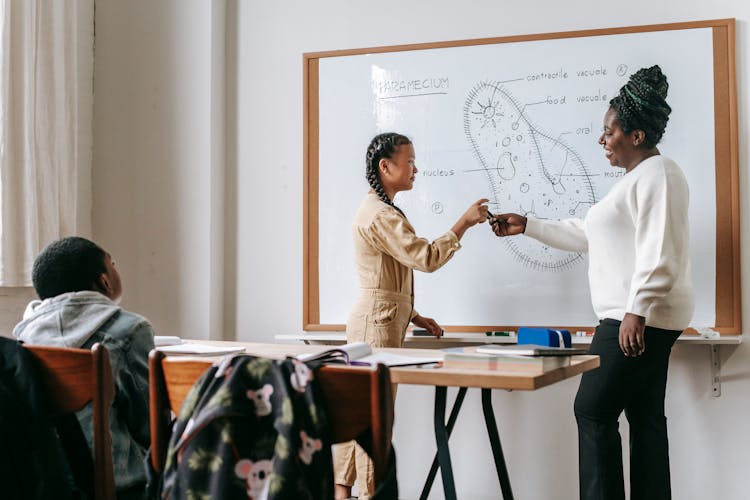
(641, 104)
(382, 146)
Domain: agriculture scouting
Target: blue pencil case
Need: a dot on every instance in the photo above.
(544, 336)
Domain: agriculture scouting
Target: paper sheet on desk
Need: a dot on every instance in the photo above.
(160, 340)
(189, 349)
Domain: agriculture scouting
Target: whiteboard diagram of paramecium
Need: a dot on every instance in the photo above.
(530, 171)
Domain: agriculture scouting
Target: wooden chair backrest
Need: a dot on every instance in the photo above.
(73, 378)
(356, 399)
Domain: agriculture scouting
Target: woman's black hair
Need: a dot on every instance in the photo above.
(641, 104)
(382, 146)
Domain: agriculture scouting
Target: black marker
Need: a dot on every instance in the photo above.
(421, 332)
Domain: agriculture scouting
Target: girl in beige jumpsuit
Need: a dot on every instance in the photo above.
(387, 250)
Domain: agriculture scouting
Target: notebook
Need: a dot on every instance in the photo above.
(531, 350)
(503, 362)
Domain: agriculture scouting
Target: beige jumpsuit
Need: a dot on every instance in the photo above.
(386, 251)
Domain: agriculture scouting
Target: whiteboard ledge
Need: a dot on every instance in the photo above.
(478, 338)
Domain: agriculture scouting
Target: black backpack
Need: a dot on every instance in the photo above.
(34, 463)
(251, 428)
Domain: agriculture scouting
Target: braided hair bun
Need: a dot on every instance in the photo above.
(641, 104)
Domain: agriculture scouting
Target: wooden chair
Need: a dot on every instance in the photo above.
(358, 403)
(73, 378)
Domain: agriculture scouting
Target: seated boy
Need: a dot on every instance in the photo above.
(79, 288)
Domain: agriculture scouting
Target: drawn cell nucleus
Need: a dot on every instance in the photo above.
(534, 174)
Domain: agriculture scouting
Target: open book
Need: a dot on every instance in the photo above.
(361, 354)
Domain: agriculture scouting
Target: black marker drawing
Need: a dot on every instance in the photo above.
(529, 171)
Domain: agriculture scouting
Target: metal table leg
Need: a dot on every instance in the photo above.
(442, 433)
(497, 449)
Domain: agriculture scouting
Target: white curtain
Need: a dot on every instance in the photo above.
(46, 100)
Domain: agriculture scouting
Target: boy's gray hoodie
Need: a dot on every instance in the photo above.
(81, 319)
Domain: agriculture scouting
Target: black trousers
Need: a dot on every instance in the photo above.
(637, 386)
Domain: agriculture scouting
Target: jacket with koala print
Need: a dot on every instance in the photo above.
(251, 428)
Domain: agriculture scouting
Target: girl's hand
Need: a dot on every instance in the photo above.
(477, 213)
(428, 324)
(508, 224)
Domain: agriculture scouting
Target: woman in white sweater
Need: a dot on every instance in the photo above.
(641, 290)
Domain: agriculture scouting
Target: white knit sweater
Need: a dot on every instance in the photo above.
(637, 240)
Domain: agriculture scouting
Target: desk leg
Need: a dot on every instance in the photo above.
(442, 433)
(497, 449)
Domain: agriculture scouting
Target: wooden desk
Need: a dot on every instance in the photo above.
(484, 379)
(441, 379)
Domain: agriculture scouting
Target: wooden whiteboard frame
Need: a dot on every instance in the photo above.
(728, 305)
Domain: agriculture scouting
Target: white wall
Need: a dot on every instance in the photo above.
(153, 156)
(156, 188)
(710, 438)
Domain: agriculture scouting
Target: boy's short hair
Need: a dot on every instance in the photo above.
(69, 264)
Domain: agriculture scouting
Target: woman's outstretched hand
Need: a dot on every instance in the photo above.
(508, 224)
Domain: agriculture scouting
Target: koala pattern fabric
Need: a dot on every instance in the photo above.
(251, 428)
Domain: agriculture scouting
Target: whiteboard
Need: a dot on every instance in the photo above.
(517, 123)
